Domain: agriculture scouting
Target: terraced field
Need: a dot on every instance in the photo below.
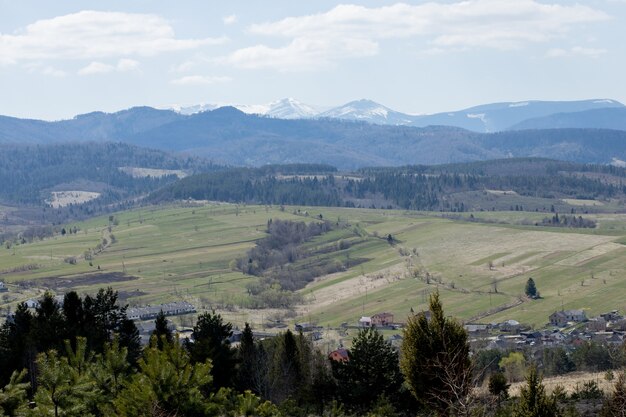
(155, 255)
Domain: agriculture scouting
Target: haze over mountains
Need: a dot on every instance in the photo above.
(484, 118)
(358, 134)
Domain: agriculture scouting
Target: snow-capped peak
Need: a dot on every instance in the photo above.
(287, 108)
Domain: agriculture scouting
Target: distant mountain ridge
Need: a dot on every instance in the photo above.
(484, 118)
(228, 136)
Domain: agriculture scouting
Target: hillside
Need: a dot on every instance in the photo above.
(189, 251)
(228, 136)
(531, 184)
(29, 173)
(609, 118)
(484, 118)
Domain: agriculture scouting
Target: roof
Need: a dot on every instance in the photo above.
(341, 352)
(364, 319)
(384, 314)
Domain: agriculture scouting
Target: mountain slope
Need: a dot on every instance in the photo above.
(609, 118)
(229, 136)
(367, 111)
(502, 116)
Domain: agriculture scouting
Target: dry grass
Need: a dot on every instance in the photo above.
(568, 382)
(65, 198)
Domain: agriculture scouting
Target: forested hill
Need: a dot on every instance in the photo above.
(530, 183)
(28, 173)
(230, 137)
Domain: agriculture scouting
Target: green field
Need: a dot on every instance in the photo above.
(185, 252)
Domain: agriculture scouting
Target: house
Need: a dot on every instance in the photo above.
(382, 319)
(476, 329)
(510, 326)
(365, 321)
(303, 327)
(3, 288)
(31, 303)
(561, 318)
(611, 316)
(169, 309)
(596, 324)
(339, 355)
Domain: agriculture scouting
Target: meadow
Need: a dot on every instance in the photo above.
(186, 251)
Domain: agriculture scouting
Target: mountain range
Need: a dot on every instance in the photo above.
(229, 136)
(484, 118)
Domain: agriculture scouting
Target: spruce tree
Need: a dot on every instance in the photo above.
(212, 341)
(531, 288)
(435, 360)
(161, 330)
(247, 356)
(533, 401)
(371, 371)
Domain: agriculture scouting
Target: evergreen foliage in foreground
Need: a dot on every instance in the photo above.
(435, 360)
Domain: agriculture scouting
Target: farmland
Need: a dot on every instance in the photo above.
(159, 254)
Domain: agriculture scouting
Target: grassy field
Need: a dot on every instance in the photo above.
(185, 252)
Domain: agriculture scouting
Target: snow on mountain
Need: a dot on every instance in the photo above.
(368, 111)
(287, 108)
(198, 108)
(492, 117)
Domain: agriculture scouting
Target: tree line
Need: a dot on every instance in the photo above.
(411, 187)
(93, 368)
(28, 171)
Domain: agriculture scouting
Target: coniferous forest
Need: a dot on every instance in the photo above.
(82, 357)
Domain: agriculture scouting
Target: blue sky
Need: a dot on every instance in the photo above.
(61, 58)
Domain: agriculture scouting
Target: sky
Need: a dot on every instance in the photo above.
(62, 58)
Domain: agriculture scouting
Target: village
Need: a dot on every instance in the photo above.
(564, 328)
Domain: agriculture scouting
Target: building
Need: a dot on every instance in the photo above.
(31, 303)
(169, 309)
(304, 327)
(339, 355)
(561, 318)
(382, 319)
(3, 288)
(365, 321)
(510, 326)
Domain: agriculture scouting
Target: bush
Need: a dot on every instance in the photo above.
(498, 386)
(588, 391)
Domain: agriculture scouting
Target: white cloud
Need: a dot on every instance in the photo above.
(200, 80)
(354, 31)
(95, 35)
(123, 65)
(229, 20)
(53, 72)
(575, 51)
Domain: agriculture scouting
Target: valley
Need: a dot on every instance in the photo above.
(186, 252)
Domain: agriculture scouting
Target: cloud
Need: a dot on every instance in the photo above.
(200, 80)
(348, 31)
(575, 51)
(95, 35)
(123, 65)
(229, 20)
(53, 72)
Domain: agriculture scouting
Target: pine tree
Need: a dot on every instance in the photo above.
(534, 402)
(247, 357)
(435, 360)
(531, 288)
(615, 404)
(161, 330)
(13, 396)
(62, 389)
(372, 370)
(212, 341)
(167, 382)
